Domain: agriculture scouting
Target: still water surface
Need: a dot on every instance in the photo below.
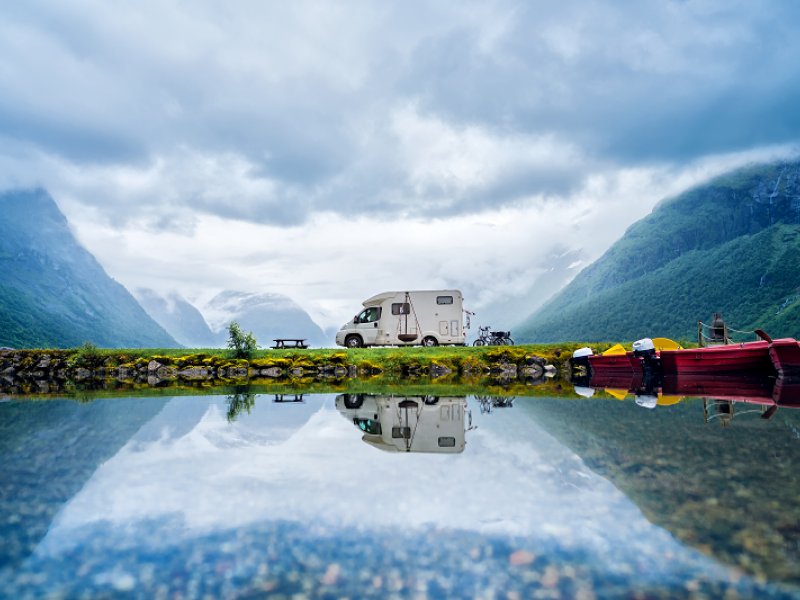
(378, 496)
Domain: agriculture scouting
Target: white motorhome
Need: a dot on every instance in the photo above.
(426, 318)
(430, 424)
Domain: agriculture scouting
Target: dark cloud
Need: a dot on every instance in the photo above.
(303, 99)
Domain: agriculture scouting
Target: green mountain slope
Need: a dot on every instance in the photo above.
(730, 246)
(53, 293)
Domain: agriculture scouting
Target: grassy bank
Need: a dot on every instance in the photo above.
(387, 359)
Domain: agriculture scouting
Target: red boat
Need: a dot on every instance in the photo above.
(754, 390)
(785, 354)
(614, 363)
(747, 358)
(613, 380)
(787, 392)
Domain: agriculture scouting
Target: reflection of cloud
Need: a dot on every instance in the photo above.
(512, 479)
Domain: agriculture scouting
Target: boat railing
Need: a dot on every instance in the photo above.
(717, 334)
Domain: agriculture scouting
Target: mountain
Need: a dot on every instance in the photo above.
(730, 246)
(268, 316)
(182, 320)
(53, 293)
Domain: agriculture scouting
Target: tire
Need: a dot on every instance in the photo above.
(509, 341)
(353, 341)
(353, 400)
(430, 400)
(429, 342)
(478, 343)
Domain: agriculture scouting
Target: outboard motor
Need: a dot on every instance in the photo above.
(647, 401)
(579, 365)
(645, 351)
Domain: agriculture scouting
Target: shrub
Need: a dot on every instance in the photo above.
(243, 344)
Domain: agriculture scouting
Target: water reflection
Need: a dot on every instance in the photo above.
(289, 498)
(489, 403)
(429, 424)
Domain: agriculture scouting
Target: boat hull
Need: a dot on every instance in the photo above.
(755, 389)
(614, 363)
(785, 354)
(747, 358)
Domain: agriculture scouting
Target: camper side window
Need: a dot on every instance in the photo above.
(370, 315)
(444, 299)
(401, 308)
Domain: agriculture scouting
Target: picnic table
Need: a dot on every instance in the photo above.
(284, 343)
(284, 398)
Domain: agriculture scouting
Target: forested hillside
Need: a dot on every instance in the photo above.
(729, 246)
(53, 293)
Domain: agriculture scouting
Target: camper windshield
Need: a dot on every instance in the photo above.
(369, 426)
(373, 313)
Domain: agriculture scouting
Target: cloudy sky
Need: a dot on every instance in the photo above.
(333, 150)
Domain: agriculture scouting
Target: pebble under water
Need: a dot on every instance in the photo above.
(351, 496)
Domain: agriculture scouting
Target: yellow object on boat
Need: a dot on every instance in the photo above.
(614, 350)
(665, 344)
(668, 400)
(618, 394)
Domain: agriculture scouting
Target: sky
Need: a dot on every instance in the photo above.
(333, 150)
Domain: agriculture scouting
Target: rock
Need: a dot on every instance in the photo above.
(536, 360)
(9, 371)
(272, 372)
(153, 365)
(44, 363)
(439, 371)
(126, 373)
(81, 373)
(521, 557)
(534, 371)
(297, 371)
(153, 380)
(193, 372)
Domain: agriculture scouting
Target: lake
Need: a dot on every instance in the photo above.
(332, 495)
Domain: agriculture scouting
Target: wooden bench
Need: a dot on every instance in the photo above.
(285, 343)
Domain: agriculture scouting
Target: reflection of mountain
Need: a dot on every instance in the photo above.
(732, 493)
(182, 320)
(268, 316)
(268, 423)
(49, 450)
(53, 293)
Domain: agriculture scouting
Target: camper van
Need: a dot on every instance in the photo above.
(429, 424)
(426, 318)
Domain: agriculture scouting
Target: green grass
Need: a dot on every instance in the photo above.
(388, 359)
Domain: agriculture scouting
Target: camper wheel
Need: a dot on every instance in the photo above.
(430, 342)
(353, 341)
(353, 400)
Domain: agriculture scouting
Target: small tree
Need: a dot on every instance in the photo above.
(240, 342)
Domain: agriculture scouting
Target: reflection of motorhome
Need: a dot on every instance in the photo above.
(407, 423)
(428, 318)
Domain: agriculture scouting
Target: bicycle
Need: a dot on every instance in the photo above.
(493, 338)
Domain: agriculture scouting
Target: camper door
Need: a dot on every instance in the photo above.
(367, 323)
